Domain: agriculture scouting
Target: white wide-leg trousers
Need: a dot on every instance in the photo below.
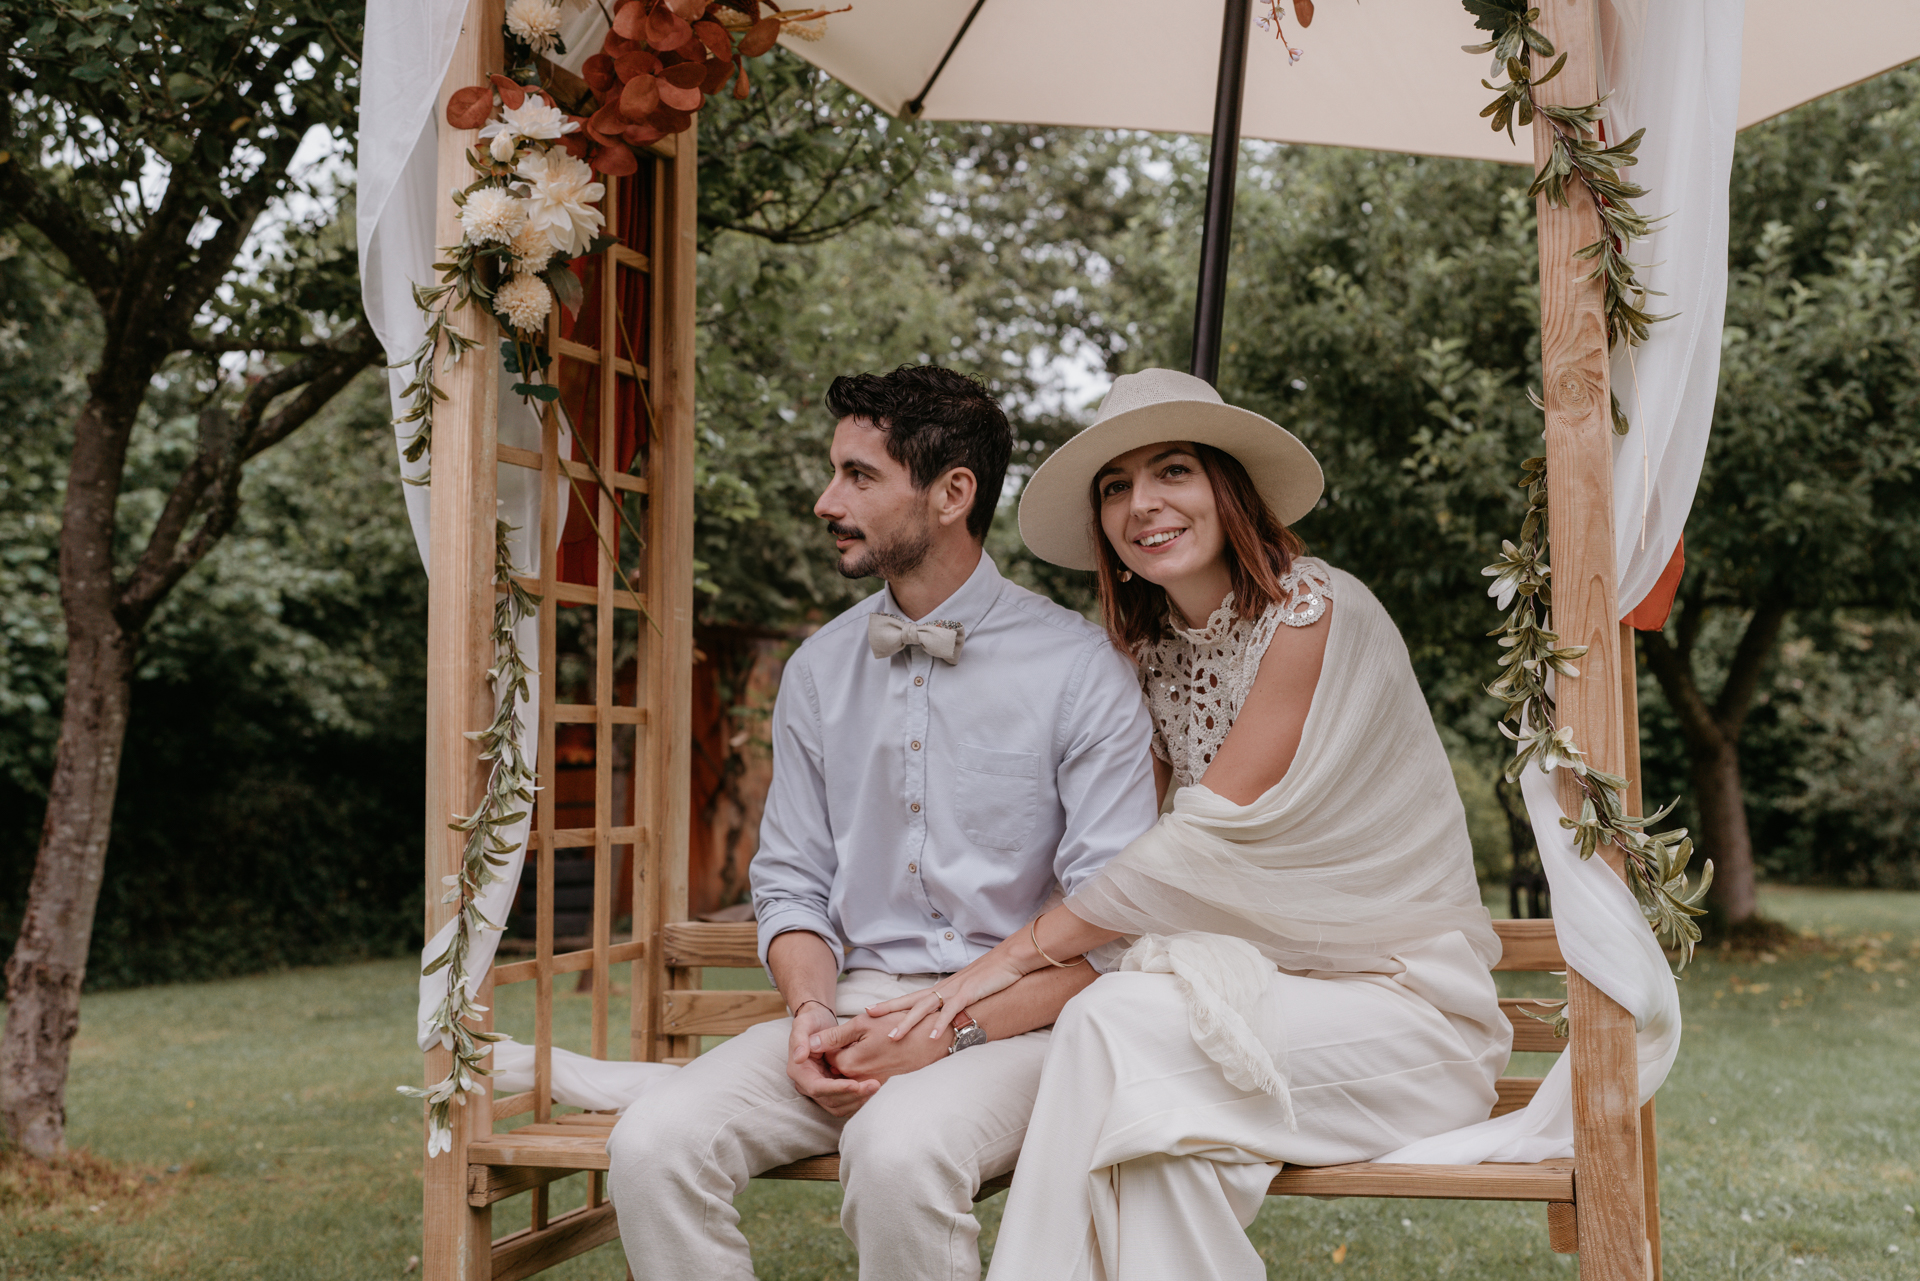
(910, 1160)
(1142, 1163)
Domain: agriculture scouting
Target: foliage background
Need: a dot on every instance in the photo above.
(1382, 307)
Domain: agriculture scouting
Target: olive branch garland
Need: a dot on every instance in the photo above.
(510, 789)
(1656, 863)
(1572, 157)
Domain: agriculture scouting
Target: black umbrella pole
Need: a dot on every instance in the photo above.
(1216, 235)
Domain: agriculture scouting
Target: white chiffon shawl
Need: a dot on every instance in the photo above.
(1360, 852)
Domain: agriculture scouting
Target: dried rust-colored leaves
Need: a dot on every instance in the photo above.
(616, 159)
(658, 63)
(640, 96)
(714, 37)
(469, 108)
(1303, 10)
(760, 37)
(667, 30)
(630, 20)
(598, 72)
(511, 92)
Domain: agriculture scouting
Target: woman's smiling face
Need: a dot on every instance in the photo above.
(1157, 509)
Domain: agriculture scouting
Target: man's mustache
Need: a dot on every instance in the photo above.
(839, 530)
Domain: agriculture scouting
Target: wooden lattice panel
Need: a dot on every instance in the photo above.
(615, 451)
(614, 576)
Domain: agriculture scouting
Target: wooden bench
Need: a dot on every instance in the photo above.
(532, 1156)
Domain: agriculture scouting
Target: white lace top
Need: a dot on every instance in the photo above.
(1196, 681)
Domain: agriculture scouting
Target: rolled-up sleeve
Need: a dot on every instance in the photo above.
(792, 872)
(1105, 776)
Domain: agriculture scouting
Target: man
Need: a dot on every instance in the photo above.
(948, 754)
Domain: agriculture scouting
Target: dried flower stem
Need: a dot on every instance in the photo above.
(511, 783)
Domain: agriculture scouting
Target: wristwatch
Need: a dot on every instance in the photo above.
(966, 1033)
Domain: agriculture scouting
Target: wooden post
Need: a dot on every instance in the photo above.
(1573, 349)
(662, 896)
(457, 1237)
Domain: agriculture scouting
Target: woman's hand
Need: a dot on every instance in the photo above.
(994, 972)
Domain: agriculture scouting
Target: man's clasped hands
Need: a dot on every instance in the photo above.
(842, 1065)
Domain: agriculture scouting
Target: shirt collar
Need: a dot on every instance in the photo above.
(968, 606)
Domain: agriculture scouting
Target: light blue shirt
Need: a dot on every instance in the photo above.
(922, 812)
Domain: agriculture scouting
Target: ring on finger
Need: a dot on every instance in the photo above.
(939, 998)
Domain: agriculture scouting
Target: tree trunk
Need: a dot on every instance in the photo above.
(1721, 802)
(1712, 734)
(50, 956)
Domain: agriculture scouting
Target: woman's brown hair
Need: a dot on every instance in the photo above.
(1259, 551)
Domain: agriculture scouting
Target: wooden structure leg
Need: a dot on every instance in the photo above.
(1612, 1220)
(457, 1244)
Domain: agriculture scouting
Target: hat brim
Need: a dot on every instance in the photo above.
(1057, 520)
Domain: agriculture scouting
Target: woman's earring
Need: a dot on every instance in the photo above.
(1126, 575)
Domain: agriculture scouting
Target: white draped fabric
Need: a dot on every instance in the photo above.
(1604, 937)
(1674, 69)
(409, 45)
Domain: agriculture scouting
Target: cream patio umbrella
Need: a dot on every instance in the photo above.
(1371, 73)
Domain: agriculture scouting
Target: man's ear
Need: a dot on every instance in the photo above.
(953, 495)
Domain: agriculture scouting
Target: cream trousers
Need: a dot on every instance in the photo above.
(1143, 1164)
(910, 1160)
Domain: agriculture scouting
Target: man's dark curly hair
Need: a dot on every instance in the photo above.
(935, 420)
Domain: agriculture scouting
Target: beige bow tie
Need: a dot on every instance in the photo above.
(889, 635)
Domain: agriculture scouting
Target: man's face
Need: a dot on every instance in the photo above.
(882, 526)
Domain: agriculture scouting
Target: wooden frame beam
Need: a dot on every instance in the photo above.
(1612, 1227)
(456, 1244)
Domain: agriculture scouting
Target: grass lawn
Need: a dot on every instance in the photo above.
(256, 1133)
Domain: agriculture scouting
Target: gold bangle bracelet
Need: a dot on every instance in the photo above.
(1033, 936)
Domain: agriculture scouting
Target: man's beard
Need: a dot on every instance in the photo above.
(883, 560)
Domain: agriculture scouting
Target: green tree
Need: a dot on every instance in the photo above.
(148, 148)
(1810, 500)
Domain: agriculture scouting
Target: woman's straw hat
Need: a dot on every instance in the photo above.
(1056, 518)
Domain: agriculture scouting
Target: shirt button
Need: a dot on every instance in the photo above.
(913, 867)
(949, 934)
(915, 807)
(936, 916)
(919, 680)
(916, 744)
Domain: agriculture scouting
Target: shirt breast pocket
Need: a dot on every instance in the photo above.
(996, 795)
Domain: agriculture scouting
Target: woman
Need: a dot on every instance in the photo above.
(1302, 953)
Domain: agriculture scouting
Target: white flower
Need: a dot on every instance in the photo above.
(492, 215)
(535, 22)
(533, 247)
(536, 119)
(524, 301)
(439, 1139)
(562, 199)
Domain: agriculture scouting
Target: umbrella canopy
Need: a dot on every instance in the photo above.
(1372, 73)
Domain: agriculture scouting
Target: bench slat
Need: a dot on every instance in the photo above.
(1530, 1035)
(542, 1151)
(690, 1012)
(1542, 1181)
(1514, 1093)
(1545, 1181)
(731, 945)
(1528, 945)
(530, 1251)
